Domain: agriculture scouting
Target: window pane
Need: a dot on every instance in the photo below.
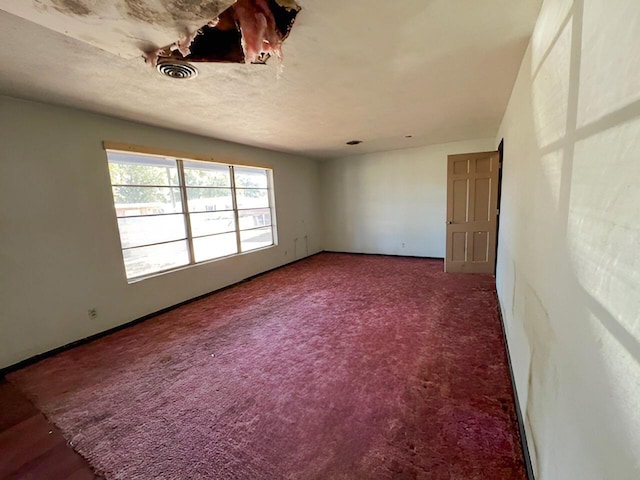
(137, 231)
(252, 239)
(215, 246)
(251, 177)
(254, 218)
(209, 199)
(252, 198)
(209, 223)
(147, 260)
(132, 169)
(203, 174)
(146, 200)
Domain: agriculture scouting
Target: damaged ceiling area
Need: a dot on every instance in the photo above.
(121, 27)
(249, 31)
(393, 74)
(237, 31)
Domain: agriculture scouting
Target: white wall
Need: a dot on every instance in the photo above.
(390, 202)
(569, 248)
(59, 244)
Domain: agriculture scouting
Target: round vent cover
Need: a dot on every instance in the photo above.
(174, 68)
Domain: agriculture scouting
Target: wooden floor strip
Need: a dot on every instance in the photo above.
(30, 446)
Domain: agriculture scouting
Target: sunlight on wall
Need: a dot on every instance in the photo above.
(551, 91)
(609, 82)
(623, 387)
(551, 164)
(552, 16)
(604, 235)
(568, 272)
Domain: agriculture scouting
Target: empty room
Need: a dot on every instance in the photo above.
(324, 240)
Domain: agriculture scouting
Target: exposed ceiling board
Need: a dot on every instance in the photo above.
(121, 27)
(439, 70)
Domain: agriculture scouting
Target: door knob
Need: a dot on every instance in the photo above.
(449, 222)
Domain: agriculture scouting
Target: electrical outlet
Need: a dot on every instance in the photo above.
(93, 313)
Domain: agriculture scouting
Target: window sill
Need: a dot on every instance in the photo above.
(131, 281)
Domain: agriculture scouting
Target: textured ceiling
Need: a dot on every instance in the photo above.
(438, 70)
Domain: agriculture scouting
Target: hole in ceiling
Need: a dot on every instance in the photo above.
(354, 142)
(250, 31)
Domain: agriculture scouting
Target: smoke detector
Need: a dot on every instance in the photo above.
(175, 68)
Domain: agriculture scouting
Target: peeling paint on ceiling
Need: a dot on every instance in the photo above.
(122, 27)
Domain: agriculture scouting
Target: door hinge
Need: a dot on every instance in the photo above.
(497, 211)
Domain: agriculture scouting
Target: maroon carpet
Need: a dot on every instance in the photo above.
(336, 367)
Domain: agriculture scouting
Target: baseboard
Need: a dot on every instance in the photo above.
(383, 255)
(519, 417)
(91, 338)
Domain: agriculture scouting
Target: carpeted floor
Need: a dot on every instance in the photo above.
(336, 367)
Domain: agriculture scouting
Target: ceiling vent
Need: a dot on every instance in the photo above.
(174, 68)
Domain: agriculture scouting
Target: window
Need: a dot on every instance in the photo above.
(175, 212)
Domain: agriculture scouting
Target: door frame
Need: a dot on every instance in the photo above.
(500, 172)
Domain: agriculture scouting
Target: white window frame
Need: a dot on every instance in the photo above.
(180, 158)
